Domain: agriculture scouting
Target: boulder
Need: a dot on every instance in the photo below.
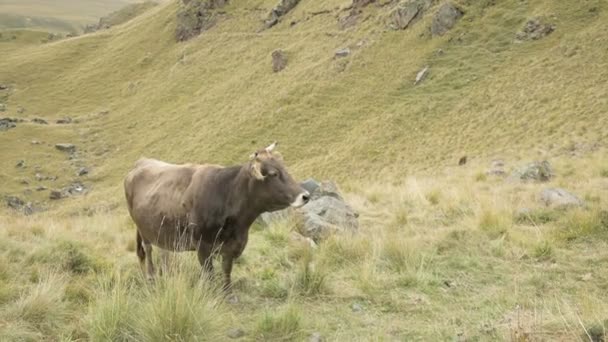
(536, 171)
(408, 13)
(560, 198)
(64, 121)
(280, 10)
(7, 123)
(445, 18)
(535, 29)
(196, 16)
(82, 171)
(279, 60)
(65, 147)
(310, 185)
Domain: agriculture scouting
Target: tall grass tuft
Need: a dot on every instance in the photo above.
(283, 325)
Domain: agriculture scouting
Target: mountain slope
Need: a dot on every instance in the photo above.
(215, 98)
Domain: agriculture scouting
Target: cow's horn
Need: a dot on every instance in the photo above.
(271, 147)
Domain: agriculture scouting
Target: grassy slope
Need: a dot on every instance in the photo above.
(56, 16)
(358, 120)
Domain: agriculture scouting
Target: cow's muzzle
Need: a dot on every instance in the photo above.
(301, 199)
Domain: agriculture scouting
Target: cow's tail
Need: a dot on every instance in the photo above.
(141, 253)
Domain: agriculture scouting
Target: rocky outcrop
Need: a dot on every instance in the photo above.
(407, 13)
(535, 29)
(196, 16)
(560, 198)
(280, 10)
(445, 18)
(536, 171)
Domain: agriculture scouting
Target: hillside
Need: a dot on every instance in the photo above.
(444, 251)
(55, 16)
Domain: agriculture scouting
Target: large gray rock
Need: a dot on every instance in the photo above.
(560, 198)
(280, 10)
(326, 216)
(408, 13)
(445, 18)
(7, 123)
(65, 147)
(536, 171)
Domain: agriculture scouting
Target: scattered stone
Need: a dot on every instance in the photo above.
(56, 194)
(357, 307)
(497, 168)
(560, 198)
(20, 110)
(3, 87)
(66, 120)
(315, 337)
(20, 164)
(587, 277)
(439, 52)
(536, 171)
(2, 107)
(421, 75)
(40, 177)
(196, 16)
(7, 123)
(280, 10)
(20, 205)
(343, 52)
(535, 29)
(41, 188)
(65, 147)
(462, 160)
(24, 182)
(279, 60)
(445, 18)
(83, 171)
(40, 121)
(35, 142)
(235, 333)
(408, 13)
(75, 188)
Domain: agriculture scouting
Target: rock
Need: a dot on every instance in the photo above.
(587, 277)
(7, 123)
(235, 333)
(462, 160)
(40, 121)
(560, 198)
(82, 171)
(421, 75)
(24, 182)
(196, 16)
(41, 188)
(280, 10)
(56, 194)
(536, 171)
(408, 13)
(64, 121)
(326, 188)
(3, 87)
(20, 164)
(40, 177)
(497, 168)
(325, 216)
(2, 107)
(14, 202)
(20, 110)
(65, 147)
(315, 337)
(445, 18)
(343, 52)
(535, 29)
(356, 307)
(75, 188)
(35, 142)
(310, 185)
(279, 60)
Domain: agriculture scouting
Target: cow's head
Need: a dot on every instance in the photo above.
(273, 186)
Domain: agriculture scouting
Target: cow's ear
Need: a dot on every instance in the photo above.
(256, 170)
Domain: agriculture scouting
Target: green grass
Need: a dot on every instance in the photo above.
(439, 254)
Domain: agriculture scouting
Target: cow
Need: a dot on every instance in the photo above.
(206, 208)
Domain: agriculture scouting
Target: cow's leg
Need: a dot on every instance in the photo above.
(141, 253)
(205, 259)
(149, 263)
(227, 261)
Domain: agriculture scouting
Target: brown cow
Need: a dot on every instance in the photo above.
(205, 208)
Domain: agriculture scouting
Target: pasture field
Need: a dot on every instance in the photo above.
(443, 253)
